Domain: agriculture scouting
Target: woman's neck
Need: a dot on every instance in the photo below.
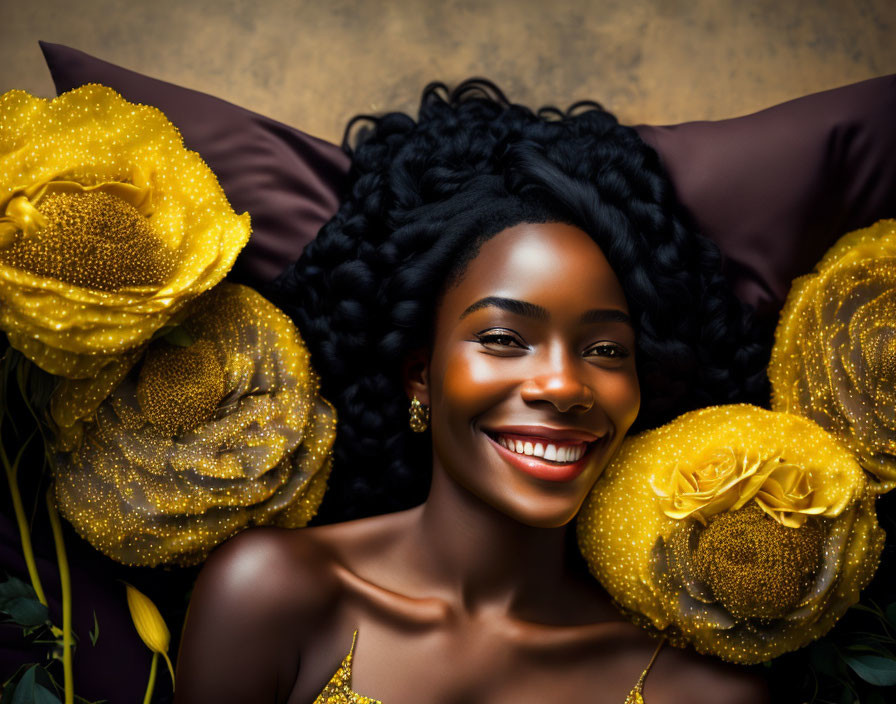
(478, 557)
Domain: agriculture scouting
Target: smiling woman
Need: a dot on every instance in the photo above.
(532, 283)
(531, 390)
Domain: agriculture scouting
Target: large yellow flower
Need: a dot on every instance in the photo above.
(108, 225)
(197, 442)
(834, 358)
(727, 478)
(745, 532)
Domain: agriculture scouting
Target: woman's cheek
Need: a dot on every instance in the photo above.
(620, 394)
(473, 382)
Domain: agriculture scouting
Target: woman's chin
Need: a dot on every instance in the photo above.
(536, 510)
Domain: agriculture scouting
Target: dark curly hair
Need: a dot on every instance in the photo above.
(424, 195)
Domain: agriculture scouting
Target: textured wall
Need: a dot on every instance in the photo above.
(315, 63)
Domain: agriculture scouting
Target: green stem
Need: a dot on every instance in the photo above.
(66, 585)
(152, 678)
(170, 669)
(19, 509)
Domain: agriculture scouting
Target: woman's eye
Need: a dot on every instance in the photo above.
(607, 351)
(500, 339)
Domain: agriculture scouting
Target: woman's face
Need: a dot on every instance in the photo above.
(531, 380)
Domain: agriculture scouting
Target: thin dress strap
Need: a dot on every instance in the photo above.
(339, 688)
(636, 696)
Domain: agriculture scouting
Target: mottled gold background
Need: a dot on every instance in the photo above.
(315, 63)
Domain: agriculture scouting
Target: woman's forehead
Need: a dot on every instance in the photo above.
(551, 264)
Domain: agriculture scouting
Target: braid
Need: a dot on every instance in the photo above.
(425, 194)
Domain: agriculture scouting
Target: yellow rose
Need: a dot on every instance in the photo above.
(727, 478)
(834, 359)
(796, 542)
(197, 442)
(714, 483)
(788, 495)
(108, 226)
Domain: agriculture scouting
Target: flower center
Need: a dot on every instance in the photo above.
(179, 388)
(95, 240)
(755, 567)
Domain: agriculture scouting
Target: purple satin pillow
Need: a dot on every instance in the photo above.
(774, 189)
(289, 182)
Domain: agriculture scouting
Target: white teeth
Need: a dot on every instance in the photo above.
(550, 452)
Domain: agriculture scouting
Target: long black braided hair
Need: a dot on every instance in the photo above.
(424, 195)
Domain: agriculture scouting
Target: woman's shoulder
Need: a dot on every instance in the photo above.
(260, 600)
(292, 570)
(268, 568)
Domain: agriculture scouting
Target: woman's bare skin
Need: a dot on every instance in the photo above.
(472, 597)
(279, 609)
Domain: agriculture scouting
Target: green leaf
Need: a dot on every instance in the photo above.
(42, 695)
(13, 587)
(178, 336)
(17, 675)
(46, 682)
(95, 631)
(29, 691)
(20, 603)
(26, 612)
(874, 669)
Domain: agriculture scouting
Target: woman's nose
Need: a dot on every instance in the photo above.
(561, 383)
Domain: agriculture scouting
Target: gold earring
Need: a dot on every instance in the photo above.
(419, 420)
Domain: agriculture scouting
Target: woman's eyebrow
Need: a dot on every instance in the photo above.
(531, 310)
(511, 305)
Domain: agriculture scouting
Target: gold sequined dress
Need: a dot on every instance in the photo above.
(339, 688)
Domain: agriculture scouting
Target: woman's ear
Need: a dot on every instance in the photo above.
(415, 372)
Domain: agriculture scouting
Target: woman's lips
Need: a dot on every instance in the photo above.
(542, 467)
